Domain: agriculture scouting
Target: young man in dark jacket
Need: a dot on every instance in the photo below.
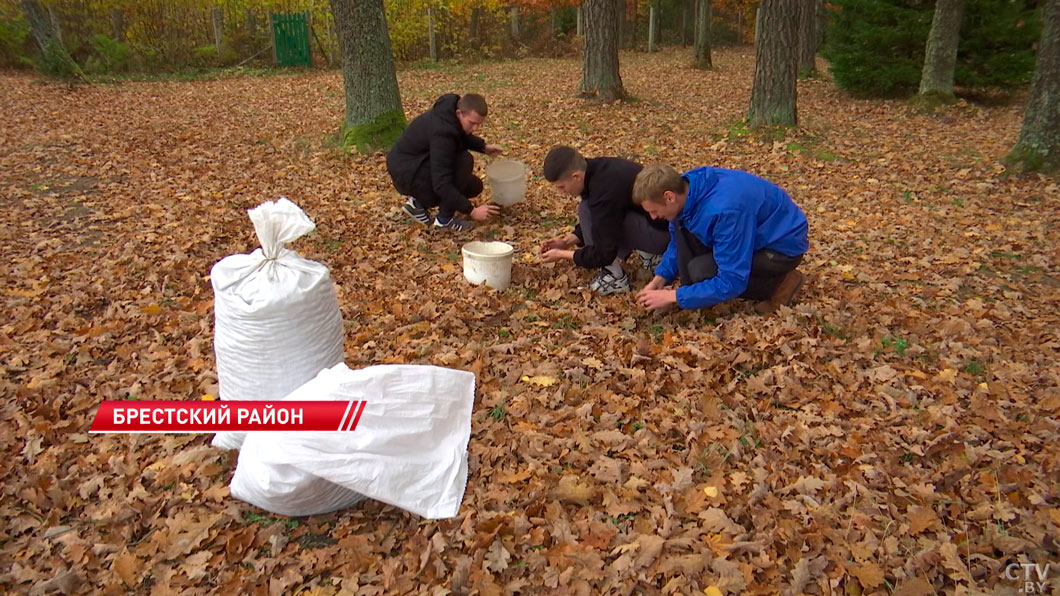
(432, 166)
(609, 226)
(733, 235)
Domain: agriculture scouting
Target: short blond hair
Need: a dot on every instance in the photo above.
(654, 180)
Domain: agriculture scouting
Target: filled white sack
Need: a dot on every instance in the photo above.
(276, 317)
(409, 448)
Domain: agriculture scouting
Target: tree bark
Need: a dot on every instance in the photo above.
(580, 17)
(940, 57)
(374, 118)
(702, 42)
(773, 96)
(600, 75)
(41, 23)
(1038, 146)
(515, 23)
(809, 38)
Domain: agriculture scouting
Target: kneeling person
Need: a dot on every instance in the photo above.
(732, 234)
(610, 225)
(432, 166)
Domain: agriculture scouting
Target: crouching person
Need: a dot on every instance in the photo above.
(732, 235)
(610, 226)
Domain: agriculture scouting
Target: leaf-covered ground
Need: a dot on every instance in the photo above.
(896, 430)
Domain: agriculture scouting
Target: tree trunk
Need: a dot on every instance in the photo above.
(580, 17)
(773, 95)
(553, 21)
(117, 24)
(515, 23)
(218, 29)
(1038, 146)
(476, 19)
(56, 61)
(432, 37)
(739, 27)
(809, 38)
(374, 118)
(702, 44)
(41, 23)
(600, 76)
(940, 57)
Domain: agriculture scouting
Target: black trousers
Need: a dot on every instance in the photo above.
(465, 181)
(695, 263)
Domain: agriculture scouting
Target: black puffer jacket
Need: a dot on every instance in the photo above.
(434, 136)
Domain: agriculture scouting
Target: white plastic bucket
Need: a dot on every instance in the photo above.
(507, 179)
(489, 262)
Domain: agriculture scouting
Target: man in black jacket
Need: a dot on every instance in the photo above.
(431, 165)
(610, 225)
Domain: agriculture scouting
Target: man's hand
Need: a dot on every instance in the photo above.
(653, 296)
(561, 242)
(484, 212)
(556, 254)
(494, 150)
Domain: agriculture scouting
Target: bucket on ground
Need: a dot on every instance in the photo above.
(489, 262)
(507, 179)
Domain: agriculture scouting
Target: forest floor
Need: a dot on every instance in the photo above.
(895, 431)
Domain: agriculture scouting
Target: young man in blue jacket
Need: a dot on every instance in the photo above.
(609, 226)
(432, 166)
(732, 235)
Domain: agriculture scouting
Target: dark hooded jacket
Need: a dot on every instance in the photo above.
(432, 140)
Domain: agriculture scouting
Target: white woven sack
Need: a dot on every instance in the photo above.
(276, 317)
(409, 448)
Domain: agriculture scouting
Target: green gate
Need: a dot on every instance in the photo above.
(290, 38)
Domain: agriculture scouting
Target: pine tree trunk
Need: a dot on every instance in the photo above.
(809, 38)
(702, 43)
(773, 95)
(1038, 146)
(600, 76)
(374, 118)
(940, 58)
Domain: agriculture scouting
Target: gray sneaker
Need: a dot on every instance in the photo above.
(455, 224)
(606, 284)
(416, 212)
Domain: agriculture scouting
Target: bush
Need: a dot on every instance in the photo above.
(876, 47)
(997, 41)
(56, 62)
(14, 35)
(109, 56)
